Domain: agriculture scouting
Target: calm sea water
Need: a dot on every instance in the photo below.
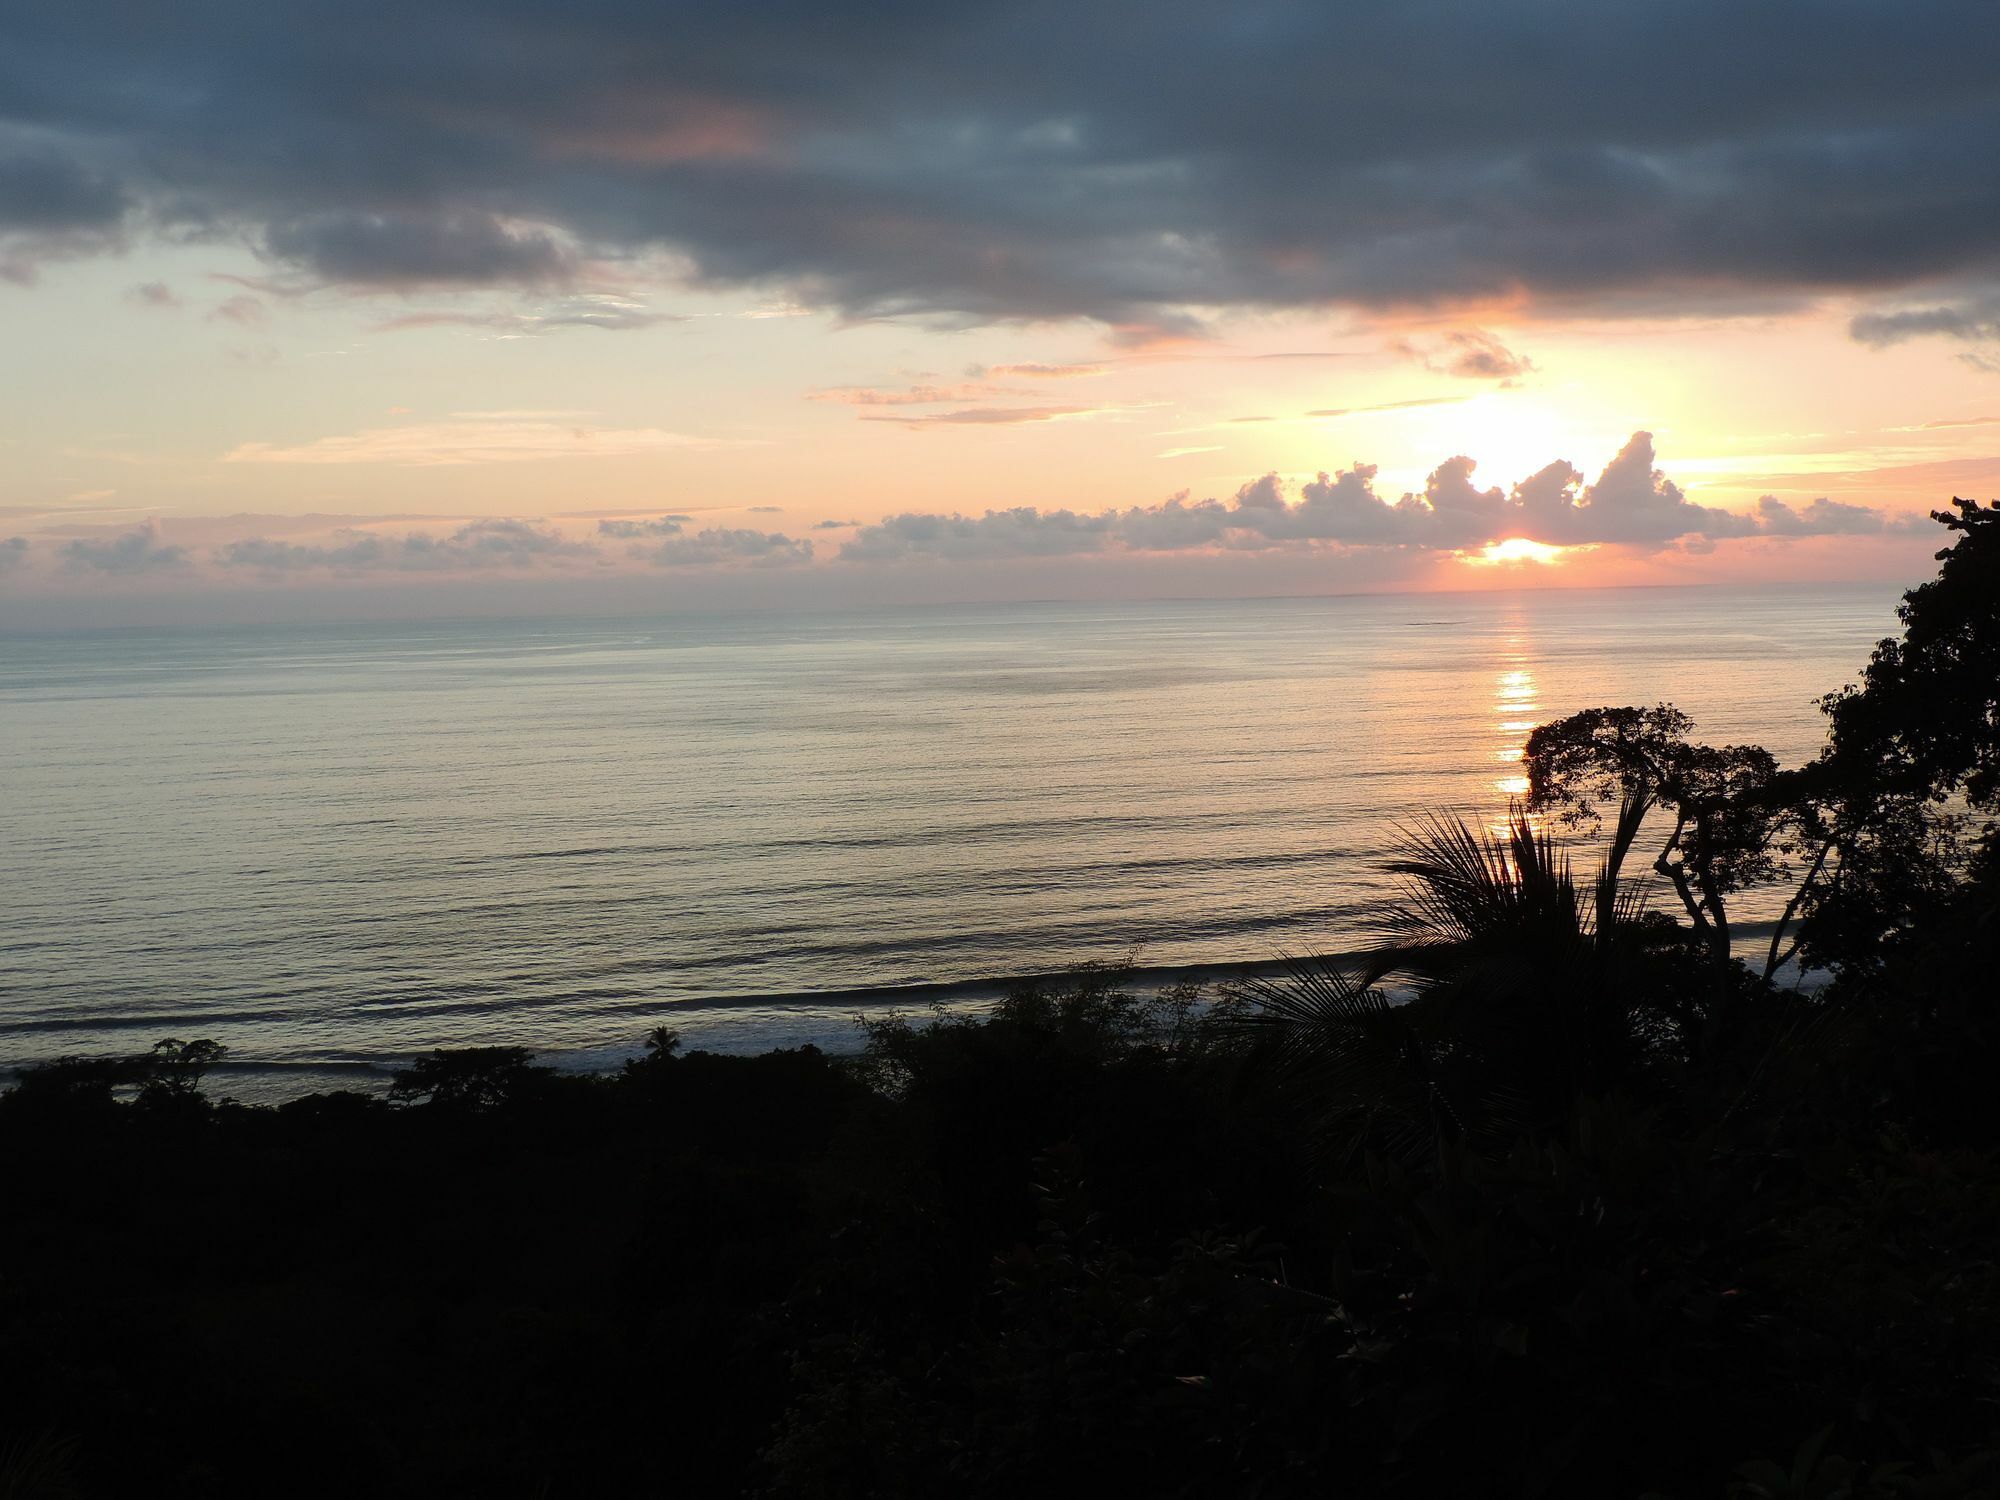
(333, 846)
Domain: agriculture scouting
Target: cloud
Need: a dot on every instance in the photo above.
(1630, 504)
(1336, 520)
(1632, 501)
(243, 310)
(128, 556)
(1355, 411)
(53, 207)
(906, 160)
(1823, 517)
(990, 416)
(1973, 319)
(916, 395)
(1033, 371)
(767, 510)
(154, 294)
(406, 251)
(476, 545)
(43, 192)
(598, 310)
(718, 546)
(654, 526)
(1020, 532)
(1475, 355)
(483, 438)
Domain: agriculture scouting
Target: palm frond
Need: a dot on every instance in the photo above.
(1514, 994)
(1360, 1060)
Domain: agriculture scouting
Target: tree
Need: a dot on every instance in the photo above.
(472, 1078)
(1879, 821)
(1911, 766)
(1526, 993)
(1728, 833)
(172, 1073)
(1926, 717)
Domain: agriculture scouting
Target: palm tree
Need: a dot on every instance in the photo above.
(1499, 994)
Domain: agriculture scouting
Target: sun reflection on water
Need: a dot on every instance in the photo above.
(1515, 699)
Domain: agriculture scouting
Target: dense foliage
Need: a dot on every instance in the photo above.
(1542, 1198)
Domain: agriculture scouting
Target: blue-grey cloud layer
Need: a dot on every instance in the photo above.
(1117, 160)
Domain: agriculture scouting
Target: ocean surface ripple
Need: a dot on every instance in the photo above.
(330, 846)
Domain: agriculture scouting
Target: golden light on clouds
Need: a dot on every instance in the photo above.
(1517, 549)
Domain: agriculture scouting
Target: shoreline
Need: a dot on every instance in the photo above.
(744, 1025)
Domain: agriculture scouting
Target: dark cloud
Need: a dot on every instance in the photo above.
(154, 294)
(957, 163)
(1972, 319)
(51, 206)
(131, 555)
(455, 248)
(1631, 504)
(13, 551)
(767, 510)
(48, 194)
(833, 525)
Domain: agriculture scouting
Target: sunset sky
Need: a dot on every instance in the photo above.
(317, 308)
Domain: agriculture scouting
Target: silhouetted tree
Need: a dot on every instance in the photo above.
(1525, 992)
(472, 1078)
(173, 1072)
(1727, 833)
(1906, 793)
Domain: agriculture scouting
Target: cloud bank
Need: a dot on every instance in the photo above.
(1632, 503)
(951, 162)
(477, 545)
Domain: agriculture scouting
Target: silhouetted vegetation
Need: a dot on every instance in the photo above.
(1548, 1195)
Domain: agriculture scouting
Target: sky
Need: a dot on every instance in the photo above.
(326, 309)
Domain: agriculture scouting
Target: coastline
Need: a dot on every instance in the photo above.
(749, 1025)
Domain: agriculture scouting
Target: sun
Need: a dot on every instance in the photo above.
(1517, 549)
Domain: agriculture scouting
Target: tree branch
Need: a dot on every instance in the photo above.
(1772, 960)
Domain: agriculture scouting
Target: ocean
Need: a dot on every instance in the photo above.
(333, 846)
